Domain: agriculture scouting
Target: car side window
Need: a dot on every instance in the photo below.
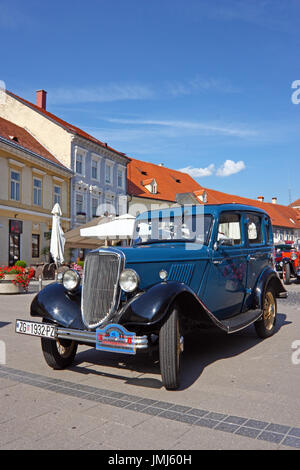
(254, 226)
(230, 227)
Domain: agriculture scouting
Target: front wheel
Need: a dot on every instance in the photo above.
(59, 354)
(265, 327)
(170, 348)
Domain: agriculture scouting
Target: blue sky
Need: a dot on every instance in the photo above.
(203, 85)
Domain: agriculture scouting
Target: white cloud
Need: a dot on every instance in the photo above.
(230, 167)
(196, 127)
(199, 84)
(100, 94)
(199, 172)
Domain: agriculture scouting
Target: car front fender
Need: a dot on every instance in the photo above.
(56, 304)
(149, 309)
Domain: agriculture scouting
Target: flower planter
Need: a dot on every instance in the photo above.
(7, 287)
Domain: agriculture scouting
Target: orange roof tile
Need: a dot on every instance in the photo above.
(169, 182)
(281, 216)
(21, 137)
(295, 203)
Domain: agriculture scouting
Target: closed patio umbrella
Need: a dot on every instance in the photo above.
(57, 243)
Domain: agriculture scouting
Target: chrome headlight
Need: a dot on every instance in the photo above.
(71, 279)
(163, 274)
(294, 256)
(129, 280)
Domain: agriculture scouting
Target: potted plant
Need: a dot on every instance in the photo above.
(15, 279)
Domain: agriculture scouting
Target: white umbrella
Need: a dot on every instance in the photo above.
(121, 228)
(57, 236)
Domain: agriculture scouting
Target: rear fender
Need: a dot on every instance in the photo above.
(268, 278)
(56, 304)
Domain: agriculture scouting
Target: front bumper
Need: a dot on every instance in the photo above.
(129, 343)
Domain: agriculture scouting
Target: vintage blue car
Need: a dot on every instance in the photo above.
(187, 267)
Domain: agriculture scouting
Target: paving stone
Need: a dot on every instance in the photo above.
(150, 410)
(227, 427)
(164, 405)
(180, 408)
(136, 407)
(207, 423)
(235, 420)
(197, 412)
(147, 401)
(270, 437)
(254, 423)
(294, 432)
(291, 442)
(216, 416)
(278, 428)
(248, 432)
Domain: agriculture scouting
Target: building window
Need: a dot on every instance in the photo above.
(37, 192)
(79, 204)
(120, 178)
(79, 164)
(108, 173)
(35, 246)
(94, 169)
(95, 203)
(15, 179)
(110, 206)
(57, 194)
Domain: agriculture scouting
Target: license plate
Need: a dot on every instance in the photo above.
(115, 338)
(44, 330)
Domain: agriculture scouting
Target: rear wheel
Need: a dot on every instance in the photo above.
(286, 274)
(59, 354)
(265, 327)
(170, 348)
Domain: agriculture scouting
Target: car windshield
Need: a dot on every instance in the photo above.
(188, 228)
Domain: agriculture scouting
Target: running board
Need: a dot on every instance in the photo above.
(241, 321)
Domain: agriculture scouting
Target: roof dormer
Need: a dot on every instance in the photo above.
(151, 185)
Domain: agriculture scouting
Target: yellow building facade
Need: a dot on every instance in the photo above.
(30, 184)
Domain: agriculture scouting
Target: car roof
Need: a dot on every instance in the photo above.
(209, 209)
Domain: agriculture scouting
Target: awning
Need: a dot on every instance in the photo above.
(74, 240)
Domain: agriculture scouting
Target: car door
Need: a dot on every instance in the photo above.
(226, 281)
(259, 248)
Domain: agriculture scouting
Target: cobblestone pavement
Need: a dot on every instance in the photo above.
(237, 392)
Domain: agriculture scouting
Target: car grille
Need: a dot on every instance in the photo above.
(100, 291)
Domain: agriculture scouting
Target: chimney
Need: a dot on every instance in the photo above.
(274, 200)
(41, 98)
(261, 198)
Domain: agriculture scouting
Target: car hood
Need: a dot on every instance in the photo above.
(164, 252)
(184, 262)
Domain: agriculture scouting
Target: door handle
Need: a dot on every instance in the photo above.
(217, 261)
(251, 258)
